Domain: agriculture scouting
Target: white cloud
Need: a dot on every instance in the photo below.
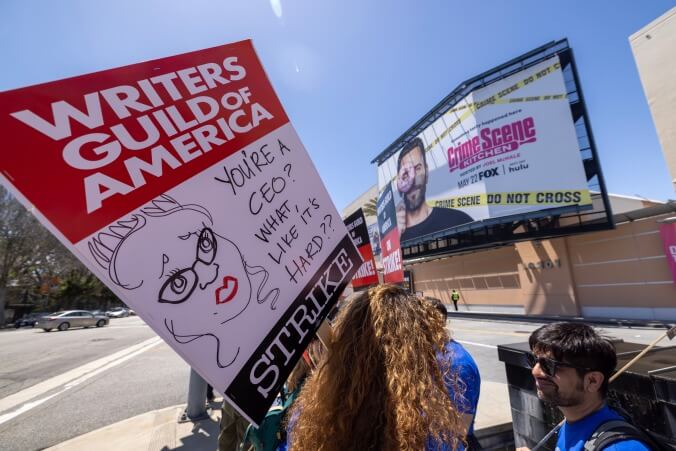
(276, 7)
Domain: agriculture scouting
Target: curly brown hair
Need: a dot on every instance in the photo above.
(380, 387)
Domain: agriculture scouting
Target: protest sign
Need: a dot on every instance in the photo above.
(668, 234)
(366, 275)
(390, 251)
(182, 185)
(374, 237)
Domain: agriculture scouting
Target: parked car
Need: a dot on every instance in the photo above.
(71, 318)
(29, 320)
(118, 312)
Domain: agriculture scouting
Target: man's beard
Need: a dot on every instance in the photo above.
(554, 397)
(412, 205)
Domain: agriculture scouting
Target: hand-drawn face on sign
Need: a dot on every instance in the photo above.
(193, 270)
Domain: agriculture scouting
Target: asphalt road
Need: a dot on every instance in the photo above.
(58, 385)
(482, 337)
(140, 374)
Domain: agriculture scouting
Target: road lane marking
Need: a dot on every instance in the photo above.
(26, 407)
(69, 380)
(129, 327)
(488, 332)
(471, 343)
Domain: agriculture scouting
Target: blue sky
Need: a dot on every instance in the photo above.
(354, 75)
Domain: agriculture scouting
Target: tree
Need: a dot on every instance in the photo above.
(19, 237)
(369, 208)
(32, 259)
(80, 289)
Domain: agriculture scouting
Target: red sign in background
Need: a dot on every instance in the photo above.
(34, 163)
(393, 271)
(390, 250)
(668, 233)
(366, 274)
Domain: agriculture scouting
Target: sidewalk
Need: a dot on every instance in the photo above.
(159, 430)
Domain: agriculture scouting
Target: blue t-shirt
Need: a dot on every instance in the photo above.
(466, 375)
(573, 436)
(463, 375)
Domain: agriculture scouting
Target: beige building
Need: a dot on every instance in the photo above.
(620, 273)
(654, 48)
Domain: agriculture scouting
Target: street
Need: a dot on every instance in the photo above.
(81, 380)
(58, 385)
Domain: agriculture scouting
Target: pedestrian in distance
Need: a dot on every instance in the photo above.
(455, 297)
(381, 385)
(571, 364)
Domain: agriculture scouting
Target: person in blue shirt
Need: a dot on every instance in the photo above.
(463, 382)
(571, 364)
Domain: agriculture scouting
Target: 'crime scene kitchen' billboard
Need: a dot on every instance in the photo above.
(182, 185)
(507, 148)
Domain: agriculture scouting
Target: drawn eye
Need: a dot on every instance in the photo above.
(178, 287)
(206, 246)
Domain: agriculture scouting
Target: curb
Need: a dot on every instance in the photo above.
(154, 430)
(653, 324)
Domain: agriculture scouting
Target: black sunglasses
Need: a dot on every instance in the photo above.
(549, 366)
(182, 283)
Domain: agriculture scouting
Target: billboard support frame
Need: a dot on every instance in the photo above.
(592, 141)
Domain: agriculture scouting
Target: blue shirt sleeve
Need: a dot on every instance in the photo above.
(465, 382)
(627, 445)
(468, 376)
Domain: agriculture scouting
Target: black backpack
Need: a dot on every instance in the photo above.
(615, 430)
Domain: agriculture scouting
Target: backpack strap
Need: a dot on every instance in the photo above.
(614, 431)
(251, 440)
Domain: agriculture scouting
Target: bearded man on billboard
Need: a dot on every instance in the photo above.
(415, 217)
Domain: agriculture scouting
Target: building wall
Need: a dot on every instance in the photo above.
(529, 277)
(621, 273)
(359, 202)
(487, 278)
(653, 47)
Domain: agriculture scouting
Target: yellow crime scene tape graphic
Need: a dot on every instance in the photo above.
(498, 99)
(561, 197)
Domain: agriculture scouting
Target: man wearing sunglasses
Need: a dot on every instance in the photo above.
(571, 365)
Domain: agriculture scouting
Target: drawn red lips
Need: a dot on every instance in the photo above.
(228, 291)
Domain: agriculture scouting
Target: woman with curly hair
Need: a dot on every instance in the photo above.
(380, 386)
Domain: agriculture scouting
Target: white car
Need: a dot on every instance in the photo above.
(71, 318)
(118, 312)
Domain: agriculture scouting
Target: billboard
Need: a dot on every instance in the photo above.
(182, 185)
(366, 274)
(507, 148)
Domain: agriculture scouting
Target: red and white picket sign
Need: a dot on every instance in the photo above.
(181, 183)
